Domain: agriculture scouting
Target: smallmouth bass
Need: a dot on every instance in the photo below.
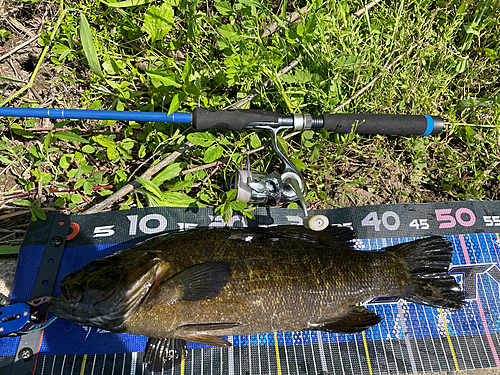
(203, 284)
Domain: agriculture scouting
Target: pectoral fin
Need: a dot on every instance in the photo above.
(355, 319)
(201, 281)
(208, 326)
(163, 354)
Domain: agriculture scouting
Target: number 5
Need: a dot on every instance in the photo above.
(443, 215)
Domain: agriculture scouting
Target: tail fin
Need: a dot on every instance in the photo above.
(429, 282)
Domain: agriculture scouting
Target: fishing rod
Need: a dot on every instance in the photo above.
(254, 186)
(249, 119)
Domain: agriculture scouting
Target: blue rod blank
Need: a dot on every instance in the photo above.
(176, 117)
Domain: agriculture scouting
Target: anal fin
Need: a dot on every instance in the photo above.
(355, 319)
(210, 340)
(162, 354)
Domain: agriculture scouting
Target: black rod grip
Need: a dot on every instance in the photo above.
(203, 119)
(383, 123)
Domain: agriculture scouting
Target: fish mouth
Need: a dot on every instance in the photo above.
(107, 308)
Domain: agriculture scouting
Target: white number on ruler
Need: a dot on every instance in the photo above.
(390, 221)
(104, 231)
(492, 221)
(162, 224)
(419, 224)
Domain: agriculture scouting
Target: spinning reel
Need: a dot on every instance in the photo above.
(274, 188)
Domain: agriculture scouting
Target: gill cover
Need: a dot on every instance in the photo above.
(107, 291)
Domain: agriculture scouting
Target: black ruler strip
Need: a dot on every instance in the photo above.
(24, 360)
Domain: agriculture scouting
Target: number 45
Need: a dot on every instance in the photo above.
(419, 224)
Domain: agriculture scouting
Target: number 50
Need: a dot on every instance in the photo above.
(445, 215)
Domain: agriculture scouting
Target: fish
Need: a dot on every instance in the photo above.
(203, 284)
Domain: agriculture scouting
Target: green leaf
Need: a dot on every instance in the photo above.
(88, 149)
(23, 202)
(38, 212)
(164, 77)
(186, 72)
(283, 145)
(174, 105)
(105, 141)
(224, 8)
(298, 163)
(462, 65)
(127, 143)
(89, 47)
(238, 205)
(255, 140)
(150, 186)
(213, 153)
(79, 183)
(112, 153)
(201, 139)
(181, 185)
(231, 194)
(65, 161)
(151, 199)
(314, 154)
(76, 198)
(126, 3)
(67, 136)
(158, 21)
(87, 187)
(177, 199)
(469, 29)
(167, 173)
(60, 201)
(142, 151)
(462, 9)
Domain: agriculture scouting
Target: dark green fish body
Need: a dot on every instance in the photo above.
(276, 285)
(200, 285)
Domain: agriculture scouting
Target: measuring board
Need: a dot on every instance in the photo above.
(410, 338)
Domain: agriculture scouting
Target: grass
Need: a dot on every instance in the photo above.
(174, 56)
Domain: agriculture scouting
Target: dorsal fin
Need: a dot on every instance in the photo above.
(333, 236)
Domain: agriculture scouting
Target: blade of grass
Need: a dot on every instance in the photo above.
(4, 250)
(89, 47)
(3, 78)
(126, 3)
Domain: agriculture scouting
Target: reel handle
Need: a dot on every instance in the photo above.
(237, 119)
(364, 123)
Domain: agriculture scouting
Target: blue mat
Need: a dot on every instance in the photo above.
(410, 338)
